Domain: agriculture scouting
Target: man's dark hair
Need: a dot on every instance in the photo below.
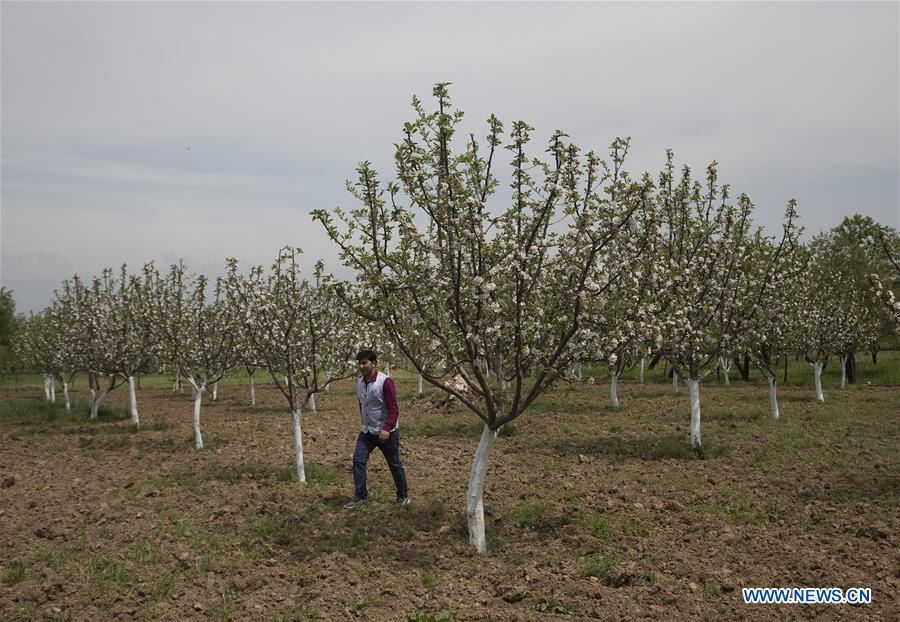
(367, 355)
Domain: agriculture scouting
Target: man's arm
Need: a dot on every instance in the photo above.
(390, 398)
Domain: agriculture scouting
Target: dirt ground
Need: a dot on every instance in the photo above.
(592, 513)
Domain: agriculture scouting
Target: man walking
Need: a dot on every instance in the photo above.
(378, 408)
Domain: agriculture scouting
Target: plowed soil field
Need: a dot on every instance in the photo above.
(592, 513)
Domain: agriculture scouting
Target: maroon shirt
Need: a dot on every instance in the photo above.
(390, 398)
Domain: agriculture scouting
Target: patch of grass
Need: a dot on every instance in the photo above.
(672, 447)
(427, 579)
(358, 540)
(322, 475)
(15, 572)
(235, 473)
(552, 605)
(599, 527)
(599, 565)
(447, 426)
(164, 586)
(223, 606)
(508, 430)
(355, 607)
(537, 517)
(100, 569)
(441, 616)
(633, 527)
(43, 416)
(143, 553)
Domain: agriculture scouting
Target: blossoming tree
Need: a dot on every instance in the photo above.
(194, 335)
(298, 330)
(497, 289)
(709, 285)
(769, 334)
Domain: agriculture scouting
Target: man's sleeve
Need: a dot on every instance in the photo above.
(390, 398)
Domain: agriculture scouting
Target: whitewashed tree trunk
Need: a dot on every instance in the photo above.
(475, 495)
(66, 396)
(817, 373)
(420, 391)
(725, 364)
(96, 399)
(694, 387)
(388, 369)
(773, 397)
(47, 387)
(843, 371)
(298, 445)
(675, 383)
(328, 386)
(215, 391)
(132, 402)
(613, 391)
(642, 371)
(177, 385)
(252, 391)
(52, 390)
(198, 400)
(311, 403)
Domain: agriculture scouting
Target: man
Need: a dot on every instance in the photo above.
(378, 408)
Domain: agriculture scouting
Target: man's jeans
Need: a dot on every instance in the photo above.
(365, 443)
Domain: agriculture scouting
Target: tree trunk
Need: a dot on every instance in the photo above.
(52, 390)
(132, 402)
(177, 385)
(817, 373)
(311, 403)
(641, 379)
(47, 387)
(419, 391)
(785, 368)
(851, 367)
(97, 398)
(694, 386)
(215, 391)
(66, 396)
(298, 444)
(674, 382)
(655, 361)
(874, 357)
(773, 397)
(743, 368)
(613, 393)
(475, 495)
(252, 391)
(843, 359)
(198, 399)
(725, 364)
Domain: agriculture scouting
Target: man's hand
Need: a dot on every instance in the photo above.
(383, 436)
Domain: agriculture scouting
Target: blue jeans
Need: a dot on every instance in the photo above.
(365, 443)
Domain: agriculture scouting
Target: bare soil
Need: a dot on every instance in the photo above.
(592, 513)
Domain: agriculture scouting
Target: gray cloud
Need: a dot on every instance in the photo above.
(146, 131)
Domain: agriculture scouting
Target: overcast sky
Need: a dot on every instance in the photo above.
(136, 132)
